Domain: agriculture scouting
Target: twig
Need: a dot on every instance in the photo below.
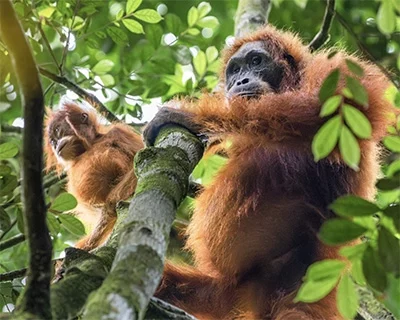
(8, 229)
(90, 98)
(365, 51)
(64, 55)
(12, 242)
(323, 34)
(9, 276)
(35, 301)
(47, 44)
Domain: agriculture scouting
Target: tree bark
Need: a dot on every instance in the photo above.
(35, 301)
(251, 15)
(162, 173)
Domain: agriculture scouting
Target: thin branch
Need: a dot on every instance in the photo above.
(90, 98)
(9, 276)
(365, 51)
(8, 229)
(251, 15)
(35, 301)
(323, 35)
(13, 241)
(47, 44)
(10, 129)
(65, 51)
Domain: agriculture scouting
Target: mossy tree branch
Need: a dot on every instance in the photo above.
(35, 301)
(251, 15)
(163, 173)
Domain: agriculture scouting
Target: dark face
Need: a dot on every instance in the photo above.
(251, 72)
(68, 132)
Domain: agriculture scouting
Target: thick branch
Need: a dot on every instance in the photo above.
(90, 98)
(12, 242)
(35, 301)
(251, 15)
(323, 35)
(163, 173)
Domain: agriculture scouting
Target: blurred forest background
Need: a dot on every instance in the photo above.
(133, 56)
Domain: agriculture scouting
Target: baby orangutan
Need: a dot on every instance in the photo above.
(98, 160)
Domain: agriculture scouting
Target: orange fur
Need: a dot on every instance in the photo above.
(101, 176)
(253, 232)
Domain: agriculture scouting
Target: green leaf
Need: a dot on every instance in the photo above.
(157, 90)
(148, 15)
(204, 8)
(329, 268)
(193, 15)
(373, 270)
(347, 297)
(388, 184)
(53, 224)
(8, 150)
(386, 17)
(354, 252)
(312, 291)
(154, 33)
(349, 148)
(208, 22)
(329, 85)
(193, 31)
(174, 23)
(8, 186)
(133, 26)
(338, 231)
(211, 54)
(389, 251)
(326, 138)
(355, 68)
(200, 63)
(358, 91)
(392, 296)
(108, 80)
(119, 14)
(353, 206)
(393, 212)
(397, 99)
(72, 224)
(392, 169)
(5, 221)
(132, 5)
(103, 66)
(64, 202)
(390, 142)
(330, 106)
(357, 121)
(117, 35)
(4, 170)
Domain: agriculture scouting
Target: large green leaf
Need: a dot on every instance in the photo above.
(133, 26)
(72, 224)
(8, 150)
(353, 206)
(392, 143)
(329, 85)
(358, 91)
(64, 202)
(132, 5)
(373, 270)
(349, 148)
(148, 15)
(357, 121)
(347, 297)
(389, 251)
(386, 17)
(326, 138)
(339, 231)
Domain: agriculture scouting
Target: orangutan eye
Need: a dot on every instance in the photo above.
(84, 117)
(256, 60)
